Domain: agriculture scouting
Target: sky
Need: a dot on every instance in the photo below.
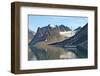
(35, 21)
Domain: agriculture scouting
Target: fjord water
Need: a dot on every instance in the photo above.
(51, 53)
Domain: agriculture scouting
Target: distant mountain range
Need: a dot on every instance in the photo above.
(49, 34)
(30, 35)
(61, 36)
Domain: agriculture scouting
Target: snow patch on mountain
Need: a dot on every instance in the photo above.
(67, 33)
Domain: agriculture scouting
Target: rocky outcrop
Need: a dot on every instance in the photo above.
(79, 39)
(49, 34)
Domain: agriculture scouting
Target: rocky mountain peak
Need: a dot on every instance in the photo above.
(50, 33)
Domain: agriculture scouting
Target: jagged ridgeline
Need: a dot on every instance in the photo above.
(50, 34)
(80, 39)
(60, 35)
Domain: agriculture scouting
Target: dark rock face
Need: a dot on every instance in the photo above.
(51, 34)
(64, 28)
(77, 29)
(79, 39)
(41, 35)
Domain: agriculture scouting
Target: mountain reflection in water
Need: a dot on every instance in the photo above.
(51, 52)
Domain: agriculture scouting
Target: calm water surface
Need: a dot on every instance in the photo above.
(51, 53)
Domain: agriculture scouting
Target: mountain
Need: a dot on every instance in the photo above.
(30, 35)
(49, 34)
(79, 39)
(64, 28)
(77, 29)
